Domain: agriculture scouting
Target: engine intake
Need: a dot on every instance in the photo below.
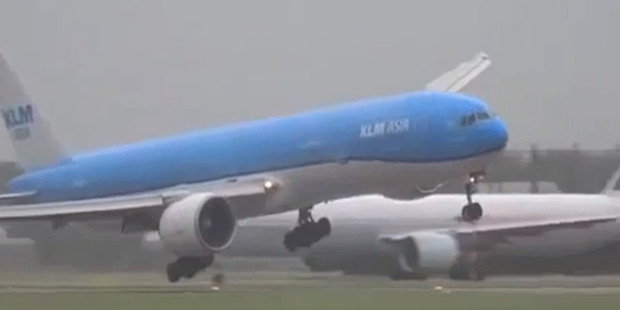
(438, 254)
(430, 253)
(198, 225)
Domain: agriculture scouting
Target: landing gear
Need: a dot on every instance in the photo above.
(187, 267)
(469, 268)
(307, 232)
(472, 211)
(467, 274)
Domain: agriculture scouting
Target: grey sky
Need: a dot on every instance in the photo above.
(107, 72)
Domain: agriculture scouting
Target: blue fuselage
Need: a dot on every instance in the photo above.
(423, 127)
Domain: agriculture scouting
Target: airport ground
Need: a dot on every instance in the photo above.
(290, 288)
(291, 291)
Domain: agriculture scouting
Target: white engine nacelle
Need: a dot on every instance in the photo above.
(198, 225)
(431, 253)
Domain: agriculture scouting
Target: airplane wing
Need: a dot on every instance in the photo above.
(16, 198)
(486, 236)
(459, 77)
(240, 193)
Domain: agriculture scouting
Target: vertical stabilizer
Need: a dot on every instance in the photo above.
(35, 145)
(456, 79)
(612, 187)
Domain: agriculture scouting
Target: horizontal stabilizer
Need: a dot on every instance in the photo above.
(461, 76)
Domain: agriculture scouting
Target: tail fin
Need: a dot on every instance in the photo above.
(35, 145)
(456, 79)
(613, 186)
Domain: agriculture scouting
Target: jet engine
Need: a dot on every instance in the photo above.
(437, 254)
(430, 252)
(197, 225)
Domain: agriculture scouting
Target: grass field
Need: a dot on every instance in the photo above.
(308, 299)
(292, 291)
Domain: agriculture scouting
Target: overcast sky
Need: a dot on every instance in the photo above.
(108, 72)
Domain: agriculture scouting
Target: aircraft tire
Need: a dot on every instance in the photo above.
(290, 242)
(323, 227)
(472, 212)
(173, 271)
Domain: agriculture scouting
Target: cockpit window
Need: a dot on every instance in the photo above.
(463, 121)
(483, 115)
(471, 119)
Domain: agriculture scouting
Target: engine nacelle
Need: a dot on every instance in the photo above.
(430, 253)
(197, 225)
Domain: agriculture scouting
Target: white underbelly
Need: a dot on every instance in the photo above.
(316, 184)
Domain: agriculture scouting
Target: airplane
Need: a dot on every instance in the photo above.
(93, 240)
(405, 240)
(192, 188)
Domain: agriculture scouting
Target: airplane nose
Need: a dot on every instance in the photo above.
(499, 134)
(491, 136)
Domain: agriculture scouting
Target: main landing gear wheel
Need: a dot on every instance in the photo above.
(307, 232)
(472, 211)
(187, 267)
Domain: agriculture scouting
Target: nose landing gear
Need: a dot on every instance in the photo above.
(472, 211)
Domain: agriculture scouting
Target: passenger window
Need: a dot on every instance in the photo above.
(471, 119)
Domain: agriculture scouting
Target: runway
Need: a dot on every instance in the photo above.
(299, 290)
(274, 280)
